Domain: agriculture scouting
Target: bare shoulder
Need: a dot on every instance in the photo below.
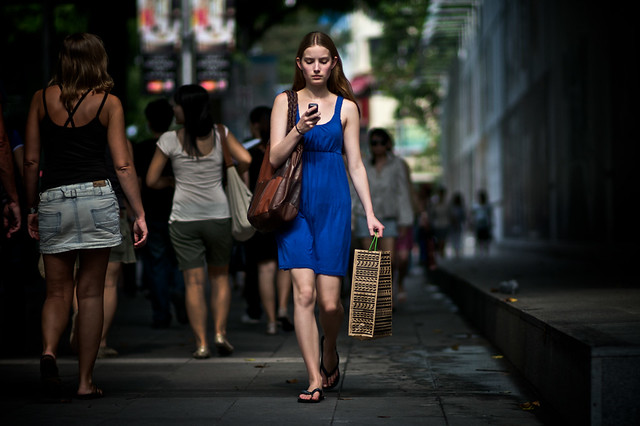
(281, 99)
(349, 111)
(112, 101)
(349, 107)
(280, 104)
(112, 105)
(36, 99)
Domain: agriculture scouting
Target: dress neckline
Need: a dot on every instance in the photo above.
(335, 107)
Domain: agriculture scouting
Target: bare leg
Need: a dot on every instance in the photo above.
(331, 316)
(194, 281)
(90, 292)
(220, 297)
(266, 273)
(114, 270)
(283, 280)
(304, 301)
(57, 305)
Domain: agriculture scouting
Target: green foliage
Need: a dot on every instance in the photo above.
(68, 20)
(398, 55)
(282, 40)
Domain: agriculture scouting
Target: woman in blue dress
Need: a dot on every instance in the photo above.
(315, 245)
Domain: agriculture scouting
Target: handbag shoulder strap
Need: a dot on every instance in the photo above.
(228, 161)
(292, 96)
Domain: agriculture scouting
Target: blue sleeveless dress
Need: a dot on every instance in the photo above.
(319, 238)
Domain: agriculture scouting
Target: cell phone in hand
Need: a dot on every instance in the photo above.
(313, 105)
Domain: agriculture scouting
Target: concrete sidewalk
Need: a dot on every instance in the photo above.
(572, 329)
(436, 369)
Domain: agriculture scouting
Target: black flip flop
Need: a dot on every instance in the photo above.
(96, 393)
(311, 400)
(324, 371)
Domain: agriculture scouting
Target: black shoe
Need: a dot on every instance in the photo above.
(49, 375)
(285, 324)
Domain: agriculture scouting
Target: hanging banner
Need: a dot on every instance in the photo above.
(213, 23)
(159, 27)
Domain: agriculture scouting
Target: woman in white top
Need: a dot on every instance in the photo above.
(200, 220)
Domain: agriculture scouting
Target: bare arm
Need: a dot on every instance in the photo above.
(282, 143)
(154, 178)
(32, 161)
(357, 171)
(239, 153)
(123, 165)
(11, 214)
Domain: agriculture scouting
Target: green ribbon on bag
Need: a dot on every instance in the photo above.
(374, 242)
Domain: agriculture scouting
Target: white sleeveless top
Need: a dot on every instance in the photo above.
(199, 194)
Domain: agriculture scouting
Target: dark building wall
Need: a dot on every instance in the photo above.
(539, 113)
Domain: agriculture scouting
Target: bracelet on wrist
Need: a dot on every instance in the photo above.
(298, 130)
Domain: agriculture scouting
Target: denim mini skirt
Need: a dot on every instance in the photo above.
(79, 216)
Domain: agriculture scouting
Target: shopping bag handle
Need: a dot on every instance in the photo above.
(374, 242)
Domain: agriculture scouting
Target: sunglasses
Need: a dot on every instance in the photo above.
(376, 143)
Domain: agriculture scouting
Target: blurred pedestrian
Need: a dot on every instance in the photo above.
(482, 222)
(315, 245)
(390, 195)
(425, 233)
(262, 250)
(439, 219)
(200, 221)
(160, 272)
(457, 223)
(250, 288)
(76, 215)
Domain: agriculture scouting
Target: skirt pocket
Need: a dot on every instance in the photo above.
(49, 225)
(107, 218)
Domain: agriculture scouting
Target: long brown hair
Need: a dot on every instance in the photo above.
(337, 82)
(194, 100)
(82, 65)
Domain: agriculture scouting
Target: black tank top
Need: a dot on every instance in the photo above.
(72, 154)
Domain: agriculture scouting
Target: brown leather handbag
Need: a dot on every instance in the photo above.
(276, 197)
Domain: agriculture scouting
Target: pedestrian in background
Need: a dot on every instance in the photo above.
(262, 250)
(390, 196)
(440, 220)
(160, 272)
(425, 232)
(482, 222)
(76, 215)
(315, 245)
(200, 220)
(457, 223)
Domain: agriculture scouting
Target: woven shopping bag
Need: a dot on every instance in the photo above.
(370, 306)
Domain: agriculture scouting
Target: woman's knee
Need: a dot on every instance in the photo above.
(333, 307)
(305, 298)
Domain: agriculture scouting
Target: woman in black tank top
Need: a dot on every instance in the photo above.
(73, 210)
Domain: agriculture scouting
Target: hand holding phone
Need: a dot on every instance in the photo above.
(312, 106)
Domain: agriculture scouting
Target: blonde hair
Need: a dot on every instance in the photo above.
(82, 66)
(337, 82)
